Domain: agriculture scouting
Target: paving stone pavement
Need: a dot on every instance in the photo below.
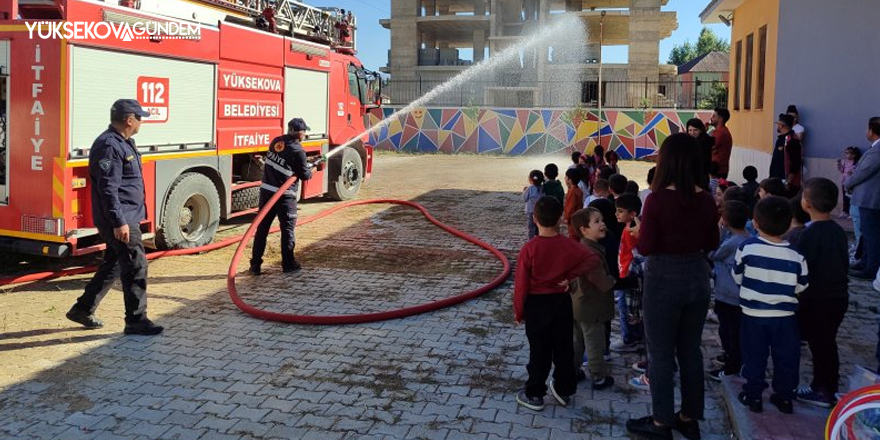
(217, 373)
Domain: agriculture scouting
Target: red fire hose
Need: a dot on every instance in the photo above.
(243, 240)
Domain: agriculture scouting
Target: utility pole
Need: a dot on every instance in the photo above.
(601, 35)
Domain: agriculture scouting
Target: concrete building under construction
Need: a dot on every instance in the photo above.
(433, 40)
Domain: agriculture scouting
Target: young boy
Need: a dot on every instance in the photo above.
(574, 200)
(799, 220)
(593, 304)
(734, 215)
(824, 303)
(575, 159)
(627, 207)
(770, 273)
(553, 187)
(617, 185)
(643, 194)
(750, 173)
(540, 298)
(600, 191)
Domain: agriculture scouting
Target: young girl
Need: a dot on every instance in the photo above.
(847, 166)
(531, 194)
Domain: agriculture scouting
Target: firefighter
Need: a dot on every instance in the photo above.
(284, 159)
(117, 190)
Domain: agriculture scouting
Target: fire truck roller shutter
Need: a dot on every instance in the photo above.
(306, 95)
(179, 94)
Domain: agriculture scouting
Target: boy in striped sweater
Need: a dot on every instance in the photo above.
(771, 274)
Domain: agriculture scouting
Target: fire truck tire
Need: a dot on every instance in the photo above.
(191, 214)
(246, 198)
(346, 174)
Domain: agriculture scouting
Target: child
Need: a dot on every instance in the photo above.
(574, 200)
(600, 191)
(632, 187)
(643, 194)
(627, 207)
(611, 158)
(553, 187)
(824, 303)
(575, 159)
(584, 176)
(734, 215)
(750, 173)
(772, 186)
(799, 220)
(714, 168)
(530, 195)
(593, 304)
(599, 155)
(770, 273)
(847, 167)
(543, 267)
(588, 163)
(617, 185)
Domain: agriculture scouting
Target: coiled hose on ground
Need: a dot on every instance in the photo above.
(244, 239)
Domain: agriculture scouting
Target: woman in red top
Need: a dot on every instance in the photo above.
(679, 226)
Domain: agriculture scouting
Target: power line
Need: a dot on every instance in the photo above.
(366, 3)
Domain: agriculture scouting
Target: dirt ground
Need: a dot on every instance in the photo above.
(34, 335)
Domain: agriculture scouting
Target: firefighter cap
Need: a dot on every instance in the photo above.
(297, 124)
(128, 106)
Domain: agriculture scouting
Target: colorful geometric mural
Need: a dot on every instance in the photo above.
(631, 133)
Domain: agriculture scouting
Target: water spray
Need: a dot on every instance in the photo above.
(569, 31)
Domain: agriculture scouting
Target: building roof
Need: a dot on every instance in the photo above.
(709, 62)
(717, 8)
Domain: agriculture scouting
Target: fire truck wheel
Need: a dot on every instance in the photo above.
(246, 198)
(346, 174)
(191, 214)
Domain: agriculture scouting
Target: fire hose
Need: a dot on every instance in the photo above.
(852, 403)
(244, 239)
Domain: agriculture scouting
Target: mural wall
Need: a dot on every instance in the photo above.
(632, 133)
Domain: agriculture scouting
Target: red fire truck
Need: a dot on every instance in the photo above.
(217, 95)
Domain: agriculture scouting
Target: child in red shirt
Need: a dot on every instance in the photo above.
(544, 267)
(574, 200)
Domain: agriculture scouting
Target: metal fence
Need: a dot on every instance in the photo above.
(511, 92)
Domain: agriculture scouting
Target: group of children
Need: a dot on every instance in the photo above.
(780, 276)
(584, 294)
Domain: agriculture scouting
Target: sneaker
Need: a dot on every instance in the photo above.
(640, 382)
(640, 367)
(563, 400)
(143, 327)
(716, 374)
(689, 430)
(88, 320)
(806, 394)
(293, 268)
(755, 405)
(621, 345)
(255, 271)
(604, 383)
(532, 403)
(784, 405)
(646, 428)
(579, 375)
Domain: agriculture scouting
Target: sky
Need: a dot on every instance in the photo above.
(373, 41)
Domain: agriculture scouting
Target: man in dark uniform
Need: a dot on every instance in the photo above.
(117, 187)
(284, 159)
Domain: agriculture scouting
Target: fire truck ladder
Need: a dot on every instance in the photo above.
(298, 19)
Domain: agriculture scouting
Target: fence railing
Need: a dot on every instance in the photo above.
(512, 92)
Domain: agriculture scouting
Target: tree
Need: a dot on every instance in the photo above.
(708, 42)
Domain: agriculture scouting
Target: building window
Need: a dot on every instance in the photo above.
(750, 56)
(762, 64)
(737, 74)
(590, 92)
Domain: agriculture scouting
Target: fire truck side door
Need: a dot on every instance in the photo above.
(354, 110)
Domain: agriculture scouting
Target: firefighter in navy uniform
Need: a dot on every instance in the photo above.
(284, 159)
(117, 190)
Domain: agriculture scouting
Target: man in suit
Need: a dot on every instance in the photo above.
(865, 186)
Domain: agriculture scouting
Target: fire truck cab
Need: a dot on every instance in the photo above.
(217, 91)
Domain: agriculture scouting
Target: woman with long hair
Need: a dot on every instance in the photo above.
(679, 226)
(697, 130)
